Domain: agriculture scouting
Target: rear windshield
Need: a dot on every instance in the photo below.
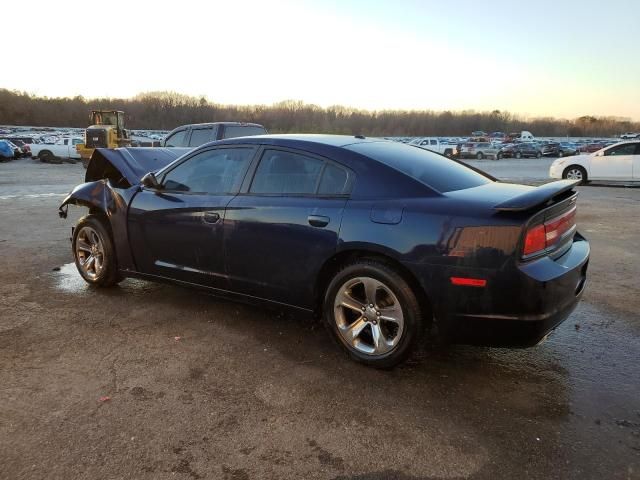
(431, 169)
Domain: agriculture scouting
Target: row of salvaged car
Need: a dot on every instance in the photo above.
(545, 148)
(19, 146)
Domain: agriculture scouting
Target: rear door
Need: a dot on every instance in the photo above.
(614, 163)
(177, 231)
(285, 225)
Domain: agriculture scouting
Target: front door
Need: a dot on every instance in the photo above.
(614, 163)
(176, 231)
(280, 231)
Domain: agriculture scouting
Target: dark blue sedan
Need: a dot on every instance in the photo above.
(385, 241)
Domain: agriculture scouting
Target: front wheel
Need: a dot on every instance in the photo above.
(479, 156)
(539, 155)
(518, 155)
(94, 253)
(373, 313)
(575, 172)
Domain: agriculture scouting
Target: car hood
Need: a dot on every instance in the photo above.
(126, 166)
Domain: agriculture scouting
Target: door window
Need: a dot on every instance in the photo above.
(216, 171)
(200, 136)
(286, 173)
(626, 149)
(176, 140)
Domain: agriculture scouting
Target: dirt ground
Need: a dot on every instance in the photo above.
(156, 381)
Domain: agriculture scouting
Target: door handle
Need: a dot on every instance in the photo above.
(211, 217)
(318, 220)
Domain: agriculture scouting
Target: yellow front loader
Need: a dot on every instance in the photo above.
(106, 131)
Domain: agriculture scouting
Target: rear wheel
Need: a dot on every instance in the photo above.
(518, 155)
(373, 313)
(538, 154)
(94, 253)
(575, 172)
(560, 154)
(479, 156)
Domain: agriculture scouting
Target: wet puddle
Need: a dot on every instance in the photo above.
(68, 280)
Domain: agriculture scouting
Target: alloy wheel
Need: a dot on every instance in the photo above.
(369, 316)
(89, 252)
(574, 174)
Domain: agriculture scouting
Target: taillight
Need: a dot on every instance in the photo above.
(548, 234)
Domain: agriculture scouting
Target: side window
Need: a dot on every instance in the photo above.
(215, 171)
(66, 141)
(233, 131)
(176, 140)
(626, 149)
(200, 136)
(433, 142)
(282, 172)
(77, 141)
(334, 181)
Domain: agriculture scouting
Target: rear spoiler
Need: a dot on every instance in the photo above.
(537, 196)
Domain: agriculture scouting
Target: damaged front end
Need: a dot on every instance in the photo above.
(111, 181)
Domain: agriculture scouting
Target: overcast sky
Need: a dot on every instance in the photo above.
(561, 58)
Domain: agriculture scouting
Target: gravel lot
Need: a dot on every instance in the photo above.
(202, 388)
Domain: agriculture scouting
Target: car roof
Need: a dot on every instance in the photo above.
(307, 138)
(210, 124)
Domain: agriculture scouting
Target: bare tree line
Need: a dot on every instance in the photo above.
(166, 110)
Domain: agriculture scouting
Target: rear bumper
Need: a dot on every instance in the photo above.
(519, 309)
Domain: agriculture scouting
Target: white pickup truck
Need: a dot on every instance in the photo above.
(63, 149)
(435, 145)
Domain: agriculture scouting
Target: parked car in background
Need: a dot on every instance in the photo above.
(523, 136)
(520, 150)
(555, 149)
(25, 150)
(63, 149)
(378, 238)
(619, 162)
(479, 150)
(591, 147)
(437, 145)
(629, 135)
(201, 133)
(7, 151)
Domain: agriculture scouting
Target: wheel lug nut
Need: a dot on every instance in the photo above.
(377, 313)
(364, 308)
(371, 305)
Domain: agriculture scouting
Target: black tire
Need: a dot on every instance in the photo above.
(571, 171)
(518, 155)
(500, 156)
(560, 154)
(48, 157)
(412, 316)
(538, 154)
(479, 155)
(108, 274)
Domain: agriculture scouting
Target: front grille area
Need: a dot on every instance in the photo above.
(96, 138)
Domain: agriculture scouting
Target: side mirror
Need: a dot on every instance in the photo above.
(150, 181)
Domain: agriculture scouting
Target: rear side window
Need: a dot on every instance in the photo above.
(200, 136)
(216, 171)
(233, 131)
(286, 173)
(176, 140)
(431, 169)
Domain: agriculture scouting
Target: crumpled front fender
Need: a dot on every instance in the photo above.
(93, 195)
